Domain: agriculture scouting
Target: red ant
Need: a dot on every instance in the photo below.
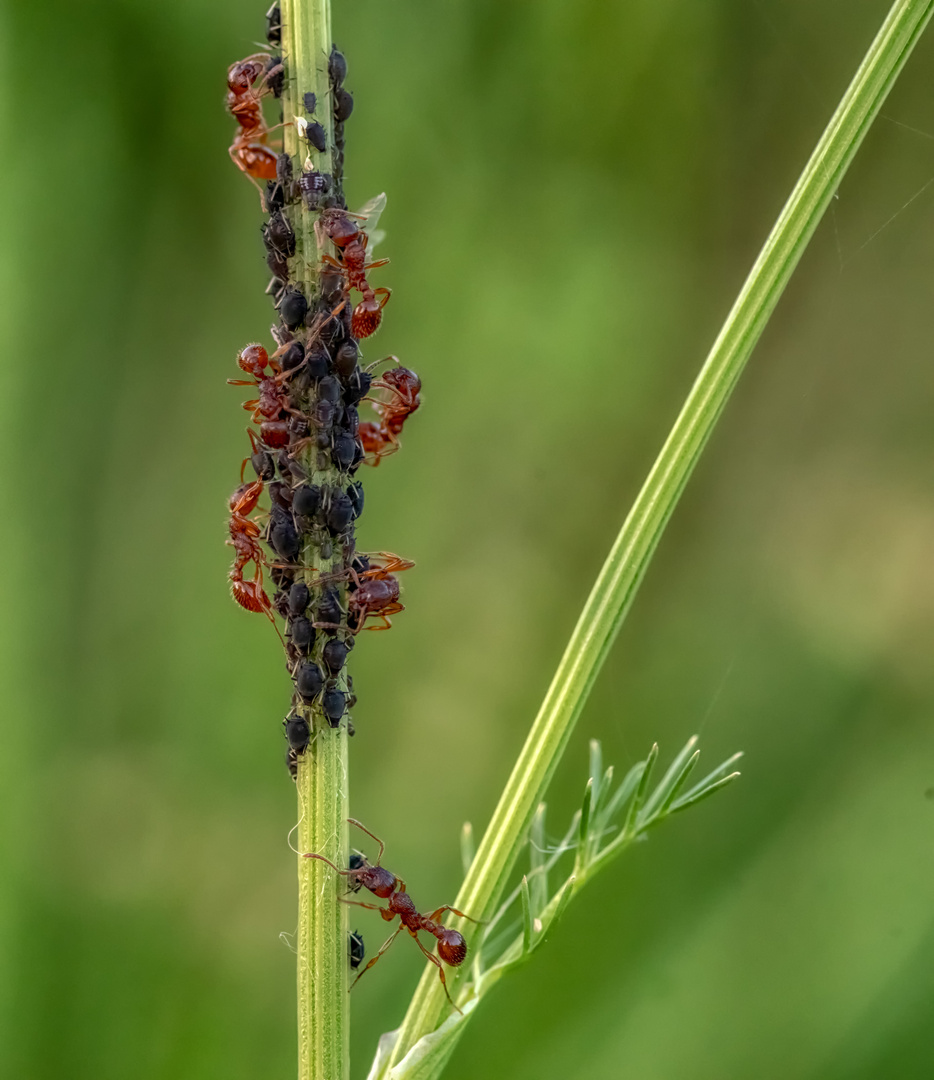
(375, 440)
(378, 593)
(380, 597)
(351, 242)
(405, 386)
(383, 438)
(273, 399)
(249, 151)
(377, 590)
(244, 538)
(452, 948)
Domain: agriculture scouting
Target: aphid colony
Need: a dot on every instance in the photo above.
(306, 442)
(297, 559)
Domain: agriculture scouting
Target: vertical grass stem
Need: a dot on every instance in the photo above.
(322, 781)
(626, 565)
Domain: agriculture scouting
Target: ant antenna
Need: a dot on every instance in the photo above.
(379, 859)
(385, 360)
(314, 855)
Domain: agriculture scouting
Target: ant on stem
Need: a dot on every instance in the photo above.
(244, 538)
(273, 400)
(351, 243)
(381, 439)
(249, 150)
(375, 591)
(452, 948)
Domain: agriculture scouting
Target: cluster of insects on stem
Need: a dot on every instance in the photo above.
(306, 438)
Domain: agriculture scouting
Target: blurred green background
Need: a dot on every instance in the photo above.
(576, 191)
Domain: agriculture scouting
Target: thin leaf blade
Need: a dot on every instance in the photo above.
(636, 804)
(674, 771)
(693, 800)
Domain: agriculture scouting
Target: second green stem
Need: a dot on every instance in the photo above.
(613, 593)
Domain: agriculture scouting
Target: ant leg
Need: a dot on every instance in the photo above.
(360, 903)
(447, 907)
(290, 566)
(392, 937)
(236, 160)
(437, 963)
(275, 626)
(382, 846)
(373, 265)
(252, 56)
(299, 444)
(314, 331)
(375, 364)
(394, 563)
(257, 447)
(385, 293)
(390, 609)
(283, 376)
(340, 307)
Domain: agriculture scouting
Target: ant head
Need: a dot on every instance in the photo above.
(452, 948)
(402, 379)
(357, 866)
(361, 872)
(380, 881)
(338, 226)
(244, 73)
(254, 360)
(245, 498)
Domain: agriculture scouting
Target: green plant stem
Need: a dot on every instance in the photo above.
(625, 567)
(322, 781)
(323, 1001)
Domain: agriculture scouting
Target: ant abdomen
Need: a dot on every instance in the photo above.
(451, 947)
(250, 595)
(274, 433)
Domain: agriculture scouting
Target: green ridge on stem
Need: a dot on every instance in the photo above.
(626, 565)
(322, 781)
